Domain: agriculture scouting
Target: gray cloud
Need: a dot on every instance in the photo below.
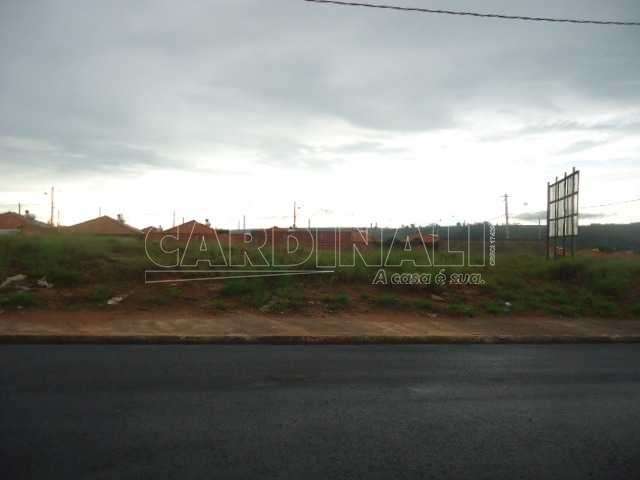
(542, 214)
(109, 86)
(582, 146)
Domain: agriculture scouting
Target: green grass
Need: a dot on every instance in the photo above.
(461, 310)
(18, 299)
(606, 287)
(495, 308)
(424, 304)
(387, 300)
(101, 294)
(337, 302)
(217, 304)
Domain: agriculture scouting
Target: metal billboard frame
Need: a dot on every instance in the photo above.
(563, 213)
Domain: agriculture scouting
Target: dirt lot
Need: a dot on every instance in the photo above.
(185, 323)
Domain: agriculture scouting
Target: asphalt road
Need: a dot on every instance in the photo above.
(369, 412)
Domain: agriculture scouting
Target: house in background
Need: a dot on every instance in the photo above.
(195, 231)
(104, 225)
(151, 229)
(192, 228)
(12, 223)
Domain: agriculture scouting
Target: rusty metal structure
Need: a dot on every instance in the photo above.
(563, 214)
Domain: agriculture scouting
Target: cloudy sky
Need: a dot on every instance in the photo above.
(218, 109)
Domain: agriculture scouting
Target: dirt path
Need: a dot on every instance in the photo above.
(178, 323)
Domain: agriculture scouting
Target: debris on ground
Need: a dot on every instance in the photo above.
(437, 298)
(16, 278)
(43, 283)
(116, 300)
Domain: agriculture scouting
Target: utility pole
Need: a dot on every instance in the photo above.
(295, 208)
(52, 206)
(19, 209)
(99, 211)
(174, 218)
(244, 222)
(539, 229)
(506, 215)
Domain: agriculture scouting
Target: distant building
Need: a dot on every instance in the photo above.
(104, 225)
(320, 238)
(14, 223)
(192, 228)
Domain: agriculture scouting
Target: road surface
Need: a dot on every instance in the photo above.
(307, 412)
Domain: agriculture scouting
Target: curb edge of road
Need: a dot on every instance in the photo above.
(19, 339)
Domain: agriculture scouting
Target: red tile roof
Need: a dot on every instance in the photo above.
(192, 226)
(15, 221)
(104, 225)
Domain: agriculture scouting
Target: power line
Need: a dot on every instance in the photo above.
(633, 200)
(476, 14)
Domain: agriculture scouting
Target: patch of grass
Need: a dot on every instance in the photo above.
(611, 285)
(337, 302)
(567, 270)
(567, 310)
(217, 304)
(174, 292)
(387, 300)
(283, 300)
(461, 309)
(62, 277)
(494, 308)
(602, 307)
(101, 294)
(424, 305)
(18, 299)
(240, 287)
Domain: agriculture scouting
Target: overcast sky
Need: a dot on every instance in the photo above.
(222, 108)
